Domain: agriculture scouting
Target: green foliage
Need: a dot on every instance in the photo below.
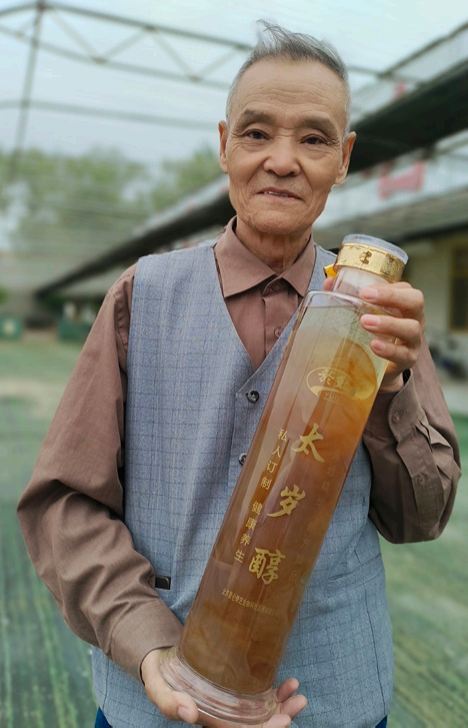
(98, 198)
(181, 178)
(4, 295)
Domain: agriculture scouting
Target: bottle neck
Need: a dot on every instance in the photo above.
(349, 281)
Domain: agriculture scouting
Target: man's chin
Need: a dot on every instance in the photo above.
(276, 223)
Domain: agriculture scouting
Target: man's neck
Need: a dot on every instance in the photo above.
(279, 252)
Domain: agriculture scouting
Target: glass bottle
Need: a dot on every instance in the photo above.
(282, 505)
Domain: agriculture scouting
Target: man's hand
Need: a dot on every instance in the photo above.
(405, 326)
(180, 706)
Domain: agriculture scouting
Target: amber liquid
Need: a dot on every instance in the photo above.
(283, 502)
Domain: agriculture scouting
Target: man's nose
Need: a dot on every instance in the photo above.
(282, 158)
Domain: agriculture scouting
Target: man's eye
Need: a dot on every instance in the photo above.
(314, 140)
(255, 134)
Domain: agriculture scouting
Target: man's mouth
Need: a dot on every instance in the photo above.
(279, 193)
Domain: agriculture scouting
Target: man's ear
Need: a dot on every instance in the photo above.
(223, 136)
(346, 149)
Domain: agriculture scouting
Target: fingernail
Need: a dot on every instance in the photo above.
(370, 320)
(370, 294)
(379, 345)
(184, 714)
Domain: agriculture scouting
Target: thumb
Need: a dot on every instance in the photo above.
(172, 704)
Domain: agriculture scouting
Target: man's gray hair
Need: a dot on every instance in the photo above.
(278, 43)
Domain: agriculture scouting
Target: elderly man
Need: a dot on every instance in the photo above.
(181, 345)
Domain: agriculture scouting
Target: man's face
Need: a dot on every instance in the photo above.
(285, 146)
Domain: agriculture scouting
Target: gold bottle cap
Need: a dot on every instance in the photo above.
(373, 255)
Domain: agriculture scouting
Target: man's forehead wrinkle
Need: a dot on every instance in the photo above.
(262, 74)
(271, 95)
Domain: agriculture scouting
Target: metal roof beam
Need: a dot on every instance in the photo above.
(144, 24)
(118, 66)
(18, 9)
(27, 91)
(92, 111)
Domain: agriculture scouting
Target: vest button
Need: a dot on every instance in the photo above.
(253, 396)
(242, 457)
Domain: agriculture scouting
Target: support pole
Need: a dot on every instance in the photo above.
(26, 96)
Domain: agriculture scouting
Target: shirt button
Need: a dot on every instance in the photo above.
(253, 396)
(396, 417)
(278, 331)
(242, 457)
(421, 479)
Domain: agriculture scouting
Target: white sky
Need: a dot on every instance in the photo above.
(366, 32)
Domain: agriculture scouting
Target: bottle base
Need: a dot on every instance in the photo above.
(212, 700)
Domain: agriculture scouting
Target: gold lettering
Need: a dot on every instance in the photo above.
(308, 441)
(265, 564)
(257, 507)
(289, 502)
(239, 556)
(271, 467)
(325, 375)
(265, 483)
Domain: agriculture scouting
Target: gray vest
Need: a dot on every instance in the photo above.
(188, 422)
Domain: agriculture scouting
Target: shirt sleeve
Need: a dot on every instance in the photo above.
(415, 458)
(71, 512)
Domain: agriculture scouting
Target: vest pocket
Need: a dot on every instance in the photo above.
(357, 577)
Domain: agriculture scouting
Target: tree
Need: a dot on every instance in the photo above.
(79, 206)
(180, 178)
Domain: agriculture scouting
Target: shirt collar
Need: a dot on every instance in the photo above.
(240, 269)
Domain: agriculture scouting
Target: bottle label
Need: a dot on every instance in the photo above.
(330, 380)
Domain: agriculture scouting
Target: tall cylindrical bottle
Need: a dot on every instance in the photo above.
(285, 497)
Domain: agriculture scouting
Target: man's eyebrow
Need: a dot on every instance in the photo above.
(318, 122)
(250, 116)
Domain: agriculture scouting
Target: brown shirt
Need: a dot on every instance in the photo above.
(71, 510)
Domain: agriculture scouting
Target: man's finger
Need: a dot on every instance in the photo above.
(399, 355)
(286, 689)
(172, 704)
(400, 296)
(293, 705)
(408, 330)
(289, 704)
